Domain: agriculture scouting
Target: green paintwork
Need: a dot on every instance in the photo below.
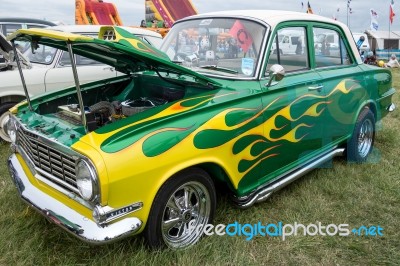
(234, 118)
(156, 144)
(212, 138)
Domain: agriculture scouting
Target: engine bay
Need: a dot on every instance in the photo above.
(111, 100)
(105, 112)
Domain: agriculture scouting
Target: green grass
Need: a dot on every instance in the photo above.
(367, 194)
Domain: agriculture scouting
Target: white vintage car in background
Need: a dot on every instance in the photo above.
(10, 24)
(49, 68)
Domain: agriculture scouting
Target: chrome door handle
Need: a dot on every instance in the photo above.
(315, 88)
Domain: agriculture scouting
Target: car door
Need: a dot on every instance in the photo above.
(342, 81)
(88, 70)
(293, 110)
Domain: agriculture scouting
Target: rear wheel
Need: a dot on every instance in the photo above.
(362, 141)
(4, 119)
(185, 202)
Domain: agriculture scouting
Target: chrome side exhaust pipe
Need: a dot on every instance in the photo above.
(263, 193)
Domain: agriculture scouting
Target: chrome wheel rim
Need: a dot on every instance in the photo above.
(3, 127)
(187, 208)
(365, 138)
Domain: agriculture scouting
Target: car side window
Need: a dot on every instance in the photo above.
(29, 26)
(10, 28)
(84, 61)
(80, 60)
(289, 49)
(329, 48)
(64, 60)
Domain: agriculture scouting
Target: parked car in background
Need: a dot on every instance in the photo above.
(142, 152)
(290, 42)
(9, 25)
(48, 68)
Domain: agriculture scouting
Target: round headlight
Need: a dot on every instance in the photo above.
(11, 129)
(85, 180)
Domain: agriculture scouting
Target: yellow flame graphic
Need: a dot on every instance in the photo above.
(186, 154)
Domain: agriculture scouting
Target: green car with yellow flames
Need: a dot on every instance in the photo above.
(224, 101)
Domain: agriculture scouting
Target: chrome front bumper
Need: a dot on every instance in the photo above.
(64, 216)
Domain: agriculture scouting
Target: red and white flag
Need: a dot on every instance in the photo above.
(374, 20)
(238, 31)
(391, 12)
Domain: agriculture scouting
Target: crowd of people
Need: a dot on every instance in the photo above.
(372, 60)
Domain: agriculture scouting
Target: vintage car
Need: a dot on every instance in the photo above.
(49, 68)
(143, 152)
(10, 24)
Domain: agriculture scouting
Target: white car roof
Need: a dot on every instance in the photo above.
(274, 17)
(96, 29)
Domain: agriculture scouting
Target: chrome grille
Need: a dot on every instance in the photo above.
(50, 163)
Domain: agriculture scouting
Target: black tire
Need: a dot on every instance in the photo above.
(197, 187)
(361, 143)
(4, 107)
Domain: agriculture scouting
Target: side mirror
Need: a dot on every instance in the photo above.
(34, 46)
(276, 73)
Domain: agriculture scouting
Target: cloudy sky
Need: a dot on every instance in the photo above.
(132, 12)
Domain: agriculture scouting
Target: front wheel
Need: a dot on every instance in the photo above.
(4, 120)
(362, 141)
(185, 202)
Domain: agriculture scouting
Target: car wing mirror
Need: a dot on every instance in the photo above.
(34, 46)
(276, 74)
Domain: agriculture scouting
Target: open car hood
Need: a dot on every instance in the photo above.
(114, 46)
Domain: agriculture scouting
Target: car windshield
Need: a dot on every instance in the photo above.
(44, 54)
(41, 55)
(220, 46)
(154, 41)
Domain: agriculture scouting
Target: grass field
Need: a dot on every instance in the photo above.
(367, 194)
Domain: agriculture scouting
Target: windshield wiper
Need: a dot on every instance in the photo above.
(222, 69)
(179, 62)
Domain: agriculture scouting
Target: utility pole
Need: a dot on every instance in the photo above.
(348, 13)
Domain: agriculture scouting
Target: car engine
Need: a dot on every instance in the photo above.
(105, 112)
